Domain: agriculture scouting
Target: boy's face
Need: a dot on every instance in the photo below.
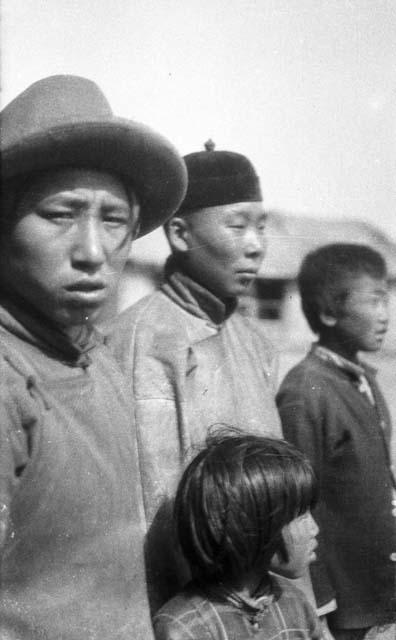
(299, 537)
(363, 320)
(226, 245)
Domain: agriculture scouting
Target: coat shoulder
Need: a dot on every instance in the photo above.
(185, 615)
(309, 368)
(259, 339)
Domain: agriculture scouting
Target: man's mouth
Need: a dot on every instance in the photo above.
(247, 274)
(87, 292)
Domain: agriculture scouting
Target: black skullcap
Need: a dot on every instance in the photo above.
(219, 177)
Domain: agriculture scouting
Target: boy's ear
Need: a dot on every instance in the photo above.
(327, 319)
(177, 232)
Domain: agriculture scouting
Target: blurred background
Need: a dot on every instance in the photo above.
(305, 88)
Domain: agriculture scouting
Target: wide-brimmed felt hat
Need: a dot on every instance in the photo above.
(219, 178)
(66, 121)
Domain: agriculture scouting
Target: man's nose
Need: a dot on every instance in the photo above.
(88, 249)
(383, 311)
(255, 243)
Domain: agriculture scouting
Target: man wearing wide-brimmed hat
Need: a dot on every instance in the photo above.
(78, 184)
(193, 360)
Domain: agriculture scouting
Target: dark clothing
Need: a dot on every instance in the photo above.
(191, 614)
(192, 361)
(347, 438)
(71, 557)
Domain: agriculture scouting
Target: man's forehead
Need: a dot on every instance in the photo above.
(70, 178)
(73, 182)
(248, 208)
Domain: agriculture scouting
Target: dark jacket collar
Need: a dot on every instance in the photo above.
(193, 297)
(354, 369)
(29, 325)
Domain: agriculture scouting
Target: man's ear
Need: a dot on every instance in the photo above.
(178, 234)
(135, 216)
(135, 229)
(327, 319)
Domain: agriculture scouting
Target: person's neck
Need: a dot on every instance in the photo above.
(70, 339)
(193, 296)
(178, 263)
(250, 586)
(341, 349)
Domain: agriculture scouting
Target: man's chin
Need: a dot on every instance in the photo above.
(76, 317)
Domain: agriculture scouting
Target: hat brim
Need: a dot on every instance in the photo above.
(143, 159)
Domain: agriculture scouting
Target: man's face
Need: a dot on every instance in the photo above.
(67, 244)
(226, 245)
(363, 320)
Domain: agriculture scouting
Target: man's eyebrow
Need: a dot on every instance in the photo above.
(78, 200)
(64, 198)
(262, 214)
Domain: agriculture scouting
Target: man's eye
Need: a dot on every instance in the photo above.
(56, 214)
(116, 219)
(381, 299)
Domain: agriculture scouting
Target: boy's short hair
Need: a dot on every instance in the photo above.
(324, 279)
(233, 500)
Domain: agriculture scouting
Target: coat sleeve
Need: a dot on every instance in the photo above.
(17, 420)
(303, 416)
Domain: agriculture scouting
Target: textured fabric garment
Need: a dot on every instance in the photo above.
(71, 557)
(192, 616)
(325, 414)
(192, 362)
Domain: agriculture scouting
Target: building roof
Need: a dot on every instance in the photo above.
(290, 238)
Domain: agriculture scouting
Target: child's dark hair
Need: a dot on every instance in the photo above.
(233, 500)
(325, 277)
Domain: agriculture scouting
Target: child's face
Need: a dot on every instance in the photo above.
(226, 246)
(363, 321)
(299, 537)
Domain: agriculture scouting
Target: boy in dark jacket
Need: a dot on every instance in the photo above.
(332, 409)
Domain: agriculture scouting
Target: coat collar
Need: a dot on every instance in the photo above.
(355, 369)
(27, 324)
(193, 297)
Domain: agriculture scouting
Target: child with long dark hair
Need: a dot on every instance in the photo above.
(242, 509)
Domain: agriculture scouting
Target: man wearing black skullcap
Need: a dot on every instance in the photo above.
(192, 359)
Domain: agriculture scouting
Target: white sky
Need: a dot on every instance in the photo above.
(305, 88)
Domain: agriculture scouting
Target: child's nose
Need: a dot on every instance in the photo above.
(313, 526)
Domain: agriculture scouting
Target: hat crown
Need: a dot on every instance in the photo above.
(218, 178)
(56, 101)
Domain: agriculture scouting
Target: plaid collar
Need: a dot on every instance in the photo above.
(358, 371)
(342, 363)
